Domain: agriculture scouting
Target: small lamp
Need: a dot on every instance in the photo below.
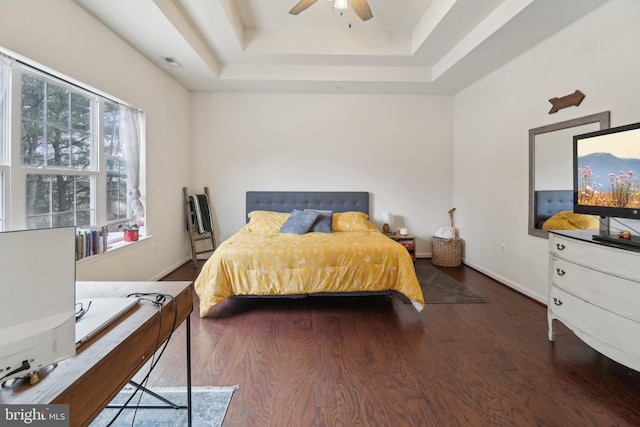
(386, 218)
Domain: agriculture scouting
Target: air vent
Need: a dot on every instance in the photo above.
(172, 62)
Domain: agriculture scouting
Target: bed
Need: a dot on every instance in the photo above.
(554, 211)
(342, 253)
(549, 203)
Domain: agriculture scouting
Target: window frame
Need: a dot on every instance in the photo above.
(22, 171)
(13, 175)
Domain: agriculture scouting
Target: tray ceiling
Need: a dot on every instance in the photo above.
(410, 46)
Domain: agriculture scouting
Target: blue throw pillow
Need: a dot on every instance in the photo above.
(299, 222)
(324, 223)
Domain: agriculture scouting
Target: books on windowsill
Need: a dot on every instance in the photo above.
(90, 241)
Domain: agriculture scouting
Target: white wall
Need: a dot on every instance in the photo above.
(599, 55)
(398, 148)
(62, 36)
(418, 156)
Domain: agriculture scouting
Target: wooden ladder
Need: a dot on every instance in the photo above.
(194, 236)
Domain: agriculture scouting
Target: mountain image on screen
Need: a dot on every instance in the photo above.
(607, 180)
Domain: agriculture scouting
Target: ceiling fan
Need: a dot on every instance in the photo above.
(360, 7)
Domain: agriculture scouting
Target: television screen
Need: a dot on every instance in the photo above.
(607, 171)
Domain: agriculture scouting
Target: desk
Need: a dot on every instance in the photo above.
(105, 364)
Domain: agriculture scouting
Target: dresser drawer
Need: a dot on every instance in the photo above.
(613, 293)
(619, 262)
(601, 329)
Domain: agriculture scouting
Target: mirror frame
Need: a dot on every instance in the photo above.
(602, 118)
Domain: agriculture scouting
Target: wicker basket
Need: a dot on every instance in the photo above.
(446, 252)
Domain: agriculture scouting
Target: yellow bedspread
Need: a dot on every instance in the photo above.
(255, 263)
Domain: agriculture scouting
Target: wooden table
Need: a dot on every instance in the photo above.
(102, 366)
(408, 241)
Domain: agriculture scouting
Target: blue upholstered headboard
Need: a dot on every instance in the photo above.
(287, 201)
(550, 202)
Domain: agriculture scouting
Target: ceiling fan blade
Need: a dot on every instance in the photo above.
(301, 6)
(362, 9)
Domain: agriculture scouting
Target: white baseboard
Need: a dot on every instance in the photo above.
(509, 283)
(169, 269)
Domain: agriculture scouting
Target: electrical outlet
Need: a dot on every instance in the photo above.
(503, 247)
(153, 248)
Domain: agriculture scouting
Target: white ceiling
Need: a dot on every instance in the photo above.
(410, 46)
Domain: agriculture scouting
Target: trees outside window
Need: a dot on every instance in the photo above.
(71, 162)
(56, 139)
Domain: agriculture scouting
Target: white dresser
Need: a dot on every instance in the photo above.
(595, 291)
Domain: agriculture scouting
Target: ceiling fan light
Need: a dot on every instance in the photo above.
(341, 4)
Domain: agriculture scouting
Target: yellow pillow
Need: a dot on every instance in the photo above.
(266, 221)
(352, 221)
(567, 220)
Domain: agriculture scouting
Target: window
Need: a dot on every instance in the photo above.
(73, 160)
(56, 151)
(6, 65)
(117, 206)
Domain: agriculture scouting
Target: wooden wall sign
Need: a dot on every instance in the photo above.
(566, 101)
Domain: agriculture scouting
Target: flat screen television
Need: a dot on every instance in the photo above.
(37, 284)
(607, 172)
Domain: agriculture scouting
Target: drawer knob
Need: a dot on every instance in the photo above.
(560, 246)
(556, 301)
(560, 272)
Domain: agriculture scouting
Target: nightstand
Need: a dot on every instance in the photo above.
(408, 242)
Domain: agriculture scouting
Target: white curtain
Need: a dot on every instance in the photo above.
(130, 125)
(6, 64)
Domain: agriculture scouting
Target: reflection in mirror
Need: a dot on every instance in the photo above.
(550, 167)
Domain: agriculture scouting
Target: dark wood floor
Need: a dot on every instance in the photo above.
(375, 361)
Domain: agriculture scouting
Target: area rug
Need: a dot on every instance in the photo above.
(439, 288)
(208, 408)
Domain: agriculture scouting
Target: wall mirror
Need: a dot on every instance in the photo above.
(551, 164)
